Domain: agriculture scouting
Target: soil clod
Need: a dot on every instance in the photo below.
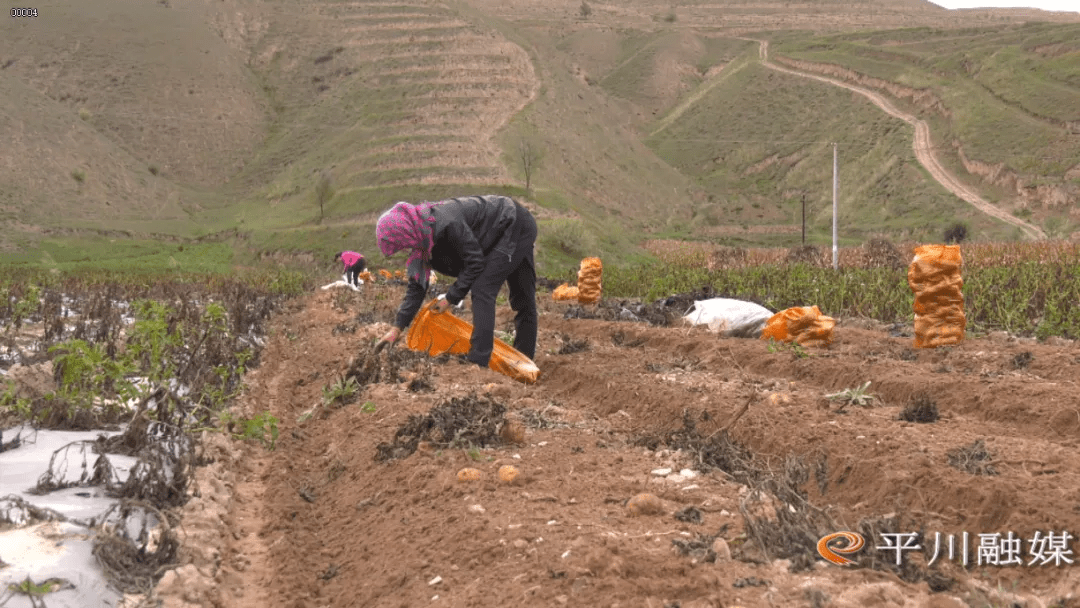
(570, 345)
(689, 514)
(699, 548)
(1022, 360)
(908, 354)
(330, 572)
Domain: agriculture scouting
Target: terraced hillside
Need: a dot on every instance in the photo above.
(458, 86)
(387, 94)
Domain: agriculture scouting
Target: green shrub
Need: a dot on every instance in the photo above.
(571, 237)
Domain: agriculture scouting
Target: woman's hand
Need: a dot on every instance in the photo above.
(388, 340)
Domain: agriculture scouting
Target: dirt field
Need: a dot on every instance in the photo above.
(343, 514)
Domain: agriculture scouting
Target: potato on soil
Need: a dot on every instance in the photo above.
(469, 474)
(513, 431)
(645, 504)
(509, 474)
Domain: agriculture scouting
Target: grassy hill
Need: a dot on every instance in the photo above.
(120, 116)
(754, 178)
(173, 120)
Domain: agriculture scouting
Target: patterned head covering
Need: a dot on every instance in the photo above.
(407, 226)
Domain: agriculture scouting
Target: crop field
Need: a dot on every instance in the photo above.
(149, 365)
(1023, 288)
(703, 478)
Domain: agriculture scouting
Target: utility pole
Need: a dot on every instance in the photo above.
(835, 186)
(804, 220)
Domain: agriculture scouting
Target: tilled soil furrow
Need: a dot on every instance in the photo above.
(344, 529)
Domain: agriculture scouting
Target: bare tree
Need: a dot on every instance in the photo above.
(324, 191)
(530, 157)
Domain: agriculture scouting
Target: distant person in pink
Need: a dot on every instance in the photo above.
(354, 265)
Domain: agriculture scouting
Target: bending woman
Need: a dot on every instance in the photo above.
(354, 265)
(482, 241)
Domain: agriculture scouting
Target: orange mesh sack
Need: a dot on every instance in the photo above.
(564, 292)
(803, 324)
(589, 280)
(384, 273)
(437, 333)
(934, 278)
(365, 276)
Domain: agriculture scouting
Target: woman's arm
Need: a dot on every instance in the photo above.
(414, 298)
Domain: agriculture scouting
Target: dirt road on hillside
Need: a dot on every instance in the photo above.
(923, 146)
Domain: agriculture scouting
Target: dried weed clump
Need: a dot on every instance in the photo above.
(395, 366)
(135, 544)
(460, 422)
(973, 458)
(922, 408)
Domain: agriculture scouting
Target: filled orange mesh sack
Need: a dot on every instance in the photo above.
(802, 324)
(564, 292)
(589, 280)
(399, 274)
(365, 276)
(934, 278)
(384, 273)
(437, 333)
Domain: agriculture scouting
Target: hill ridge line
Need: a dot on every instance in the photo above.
(696, 96)
(921, 144)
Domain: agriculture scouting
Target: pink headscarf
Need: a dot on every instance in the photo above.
(407, 226)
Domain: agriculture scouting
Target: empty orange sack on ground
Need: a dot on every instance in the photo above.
(564, 292)
(437, 333)
(935, 279)
(802, 324)
(588, 282)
